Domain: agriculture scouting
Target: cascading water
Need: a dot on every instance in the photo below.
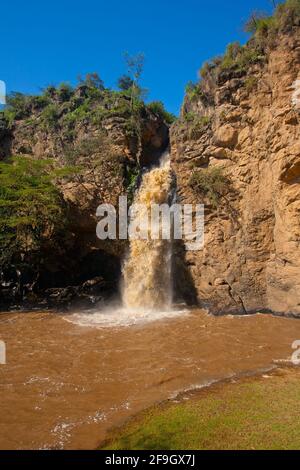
(146, 283)
(147, 269)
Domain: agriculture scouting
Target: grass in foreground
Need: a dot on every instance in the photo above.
(257, 413)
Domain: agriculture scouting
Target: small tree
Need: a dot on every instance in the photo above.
(259, 23)
(92, 80)
(31, 208)
(135, 66)
(64, 91)
(125, 83)
(18, 104)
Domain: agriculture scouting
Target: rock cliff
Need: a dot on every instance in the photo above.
(106, 141)
(244, 117)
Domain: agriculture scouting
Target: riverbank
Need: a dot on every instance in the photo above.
(259, 412)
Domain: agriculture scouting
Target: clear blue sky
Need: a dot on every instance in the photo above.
(47, 42)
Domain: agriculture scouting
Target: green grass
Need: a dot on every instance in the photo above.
(252, 414)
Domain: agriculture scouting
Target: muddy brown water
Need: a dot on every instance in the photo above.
(65, 385)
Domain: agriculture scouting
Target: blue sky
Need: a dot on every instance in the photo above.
(53, 41)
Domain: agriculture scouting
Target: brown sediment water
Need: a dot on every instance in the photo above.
(147, 269)
(69, 379)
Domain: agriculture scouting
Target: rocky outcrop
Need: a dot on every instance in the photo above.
(250, 127)
(111, 153)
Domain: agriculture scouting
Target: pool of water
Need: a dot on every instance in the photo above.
(70, 378)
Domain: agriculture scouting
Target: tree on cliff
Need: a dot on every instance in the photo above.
(135, 66)
(125, 83)
(31, 207)
(92, 80)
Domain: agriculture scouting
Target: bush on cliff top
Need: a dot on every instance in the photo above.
(286, 16)
(64, 106)
(259, 23)
(238, 58)
(157, 107)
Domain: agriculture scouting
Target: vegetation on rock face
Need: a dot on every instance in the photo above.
(286, 16)
(260, 24)
(96, 137)
(193, 125)
(94, 160)
(157, 107)
(131, 179)
(210, 183)
(238, 59)
(62, 107)
(31, 207)
(198, 125)
(135, 65)
(251, 83)
(193, 91)
(125, 83)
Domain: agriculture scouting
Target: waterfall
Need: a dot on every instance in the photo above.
(147, 268)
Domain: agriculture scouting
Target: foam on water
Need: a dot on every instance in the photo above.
(146, 286)
(112, 317)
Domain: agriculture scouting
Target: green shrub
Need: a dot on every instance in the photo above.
(125, 83)
(210, 183)
(194, 91)
(287, 14)
(194, 124)
(199, 127)
(9, 115)
(251, 83)
(131, 177)
(193, 117)
(86, 148)
(240, 57)
(260, 24)
(132, 127)
(64, 92)
(190, 116)
(99, 113)
(157, 107)
(95, 94)
(232, 53)
(50, 116)
(79, 114)
(40, 101)
(50, 91)
(210, 67)
(31, 207)
(291, 7)
(237, 58)
(203, 72)
(92, 80)
(18, 106)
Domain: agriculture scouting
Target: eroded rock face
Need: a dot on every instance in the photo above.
(251, 258)
(81, 258)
